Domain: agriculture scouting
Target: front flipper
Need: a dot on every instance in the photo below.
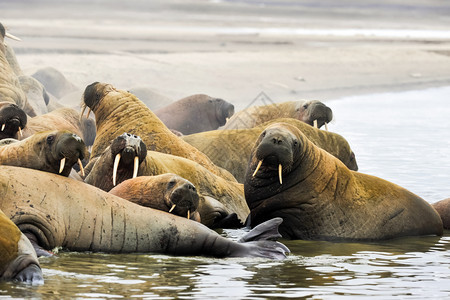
(31, 274)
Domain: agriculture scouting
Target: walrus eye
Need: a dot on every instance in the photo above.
(305, 106)
(263, 134)
(50, 139)
(171, 184)
(295, 143)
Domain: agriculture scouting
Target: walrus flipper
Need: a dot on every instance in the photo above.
(264, 231)
(31, 274)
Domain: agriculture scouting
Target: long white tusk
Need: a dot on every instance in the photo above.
(136, 166)
(189, 214)
(280, 170)
(326, 126)
(257, 168)
(20, 132)
(13, 37)
(116, 165)
(315, 124)
(81, 167)
(62, 164)
(173, 206)
(3, 126)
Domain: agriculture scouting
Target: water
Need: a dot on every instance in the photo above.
(402, 137)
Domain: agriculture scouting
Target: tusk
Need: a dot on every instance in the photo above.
(62, 164)
(81, 167)
(116, 165)
(173, 206)
(189, 214)
(3, 126)
(257, 167)
(136, 166)
(13, 37)
(326, 126)
(88, 113)
(82, 112)
(20, 132)
(315, 124)
(280, 170)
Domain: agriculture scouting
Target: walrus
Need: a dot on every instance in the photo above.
(12, 120)
(10, 88)
(151, 98)
(54, 81)
(312, 112)
(18, 260)
(231, 149)
(12, 60)
(50, 151)
(166, 192)
(36, 94)
(321, 199)
(118, 111)
(443, 209)
(127, 157)
(50, 210)
(196, 113)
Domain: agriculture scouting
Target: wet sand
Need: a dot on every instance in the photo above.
(235, 50)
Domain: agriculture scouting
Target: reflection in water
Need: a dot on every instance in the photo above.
(401, 137)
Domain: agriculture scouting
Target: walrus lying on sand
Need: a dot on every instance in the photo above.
(118, 111)
(12, 120)
(50, 151)
(443, 209)
(127, 157)
(18, 260)
(312, 112)
(231, 149)
(321, 199)
(166, 192)
(51, 212)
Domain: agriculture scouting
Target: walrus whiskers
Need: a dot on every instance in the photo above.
(326, 126)
(20, 132)
(315, 124)
(81, 167)
(173, 206)
(136, 166)
(257, 167)
(13, 37)
(116, 165)
(62, 164)
(280, 170)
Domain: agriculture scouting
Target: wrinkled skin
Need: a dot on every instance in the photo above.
(54, 81)
(52, 212)
(118, 111)
(228, 193)
(44, 151)
(306, 111)
(196, 113)
(166, 192)
(231, 149)
(18, 260)
(12, 117)
(443, 209)
(321, 199)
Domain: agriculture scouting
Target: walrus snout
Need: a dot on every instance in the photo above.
(315, 111)
(71, 150)
(184, 200)
(12, 120)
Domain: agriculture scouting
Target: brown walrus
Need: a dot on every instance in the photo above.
(321, 199)
(52, 212)
(231, 149)
(62, 119)
(118, 111)
(166, 192)
(312, 112)
(127, 157)
(50, 151)
(18, 260)
(443, 209)
(12, 120)
(196, 113)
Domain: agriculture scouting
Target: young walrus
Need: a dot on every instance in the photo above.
(166, 192)
(50, 151)
(118, 111)
(12, 121)
(127, 157)
(321, 199)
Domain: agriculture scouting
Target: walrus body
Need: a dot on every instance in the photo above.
(12, 119)
(443, 209)
(308, 111)
(166, 192)
(54, 81)
(196, 113)
(118, 111)
(50, 151)
(36, 94)
(127, 157)
(231, 149)
(50, 210)
(320, 199)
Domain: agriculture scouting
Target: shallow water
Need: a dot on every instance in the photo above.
(402, 137)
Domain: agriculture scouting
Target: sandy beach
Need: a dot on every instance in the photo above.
(235, 50)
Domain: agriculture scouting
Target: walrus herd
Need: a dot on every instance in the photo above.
(129, 179)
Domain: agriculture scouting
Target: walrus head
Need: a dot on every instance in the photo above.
(129, 151)
(12, 120)
(93, 94)
(224, 110)
(181, 196)
(314, 113)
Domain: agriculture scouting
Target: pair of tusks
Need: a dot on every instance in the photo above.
(63, 163)
(316, 126)
(116, 166)
(188, 213)
(280, 171)
(82, 112)
(20, 129)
